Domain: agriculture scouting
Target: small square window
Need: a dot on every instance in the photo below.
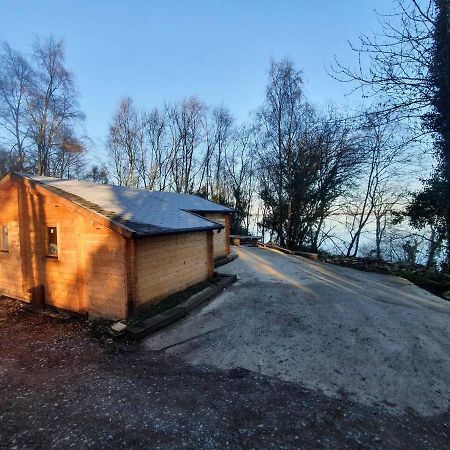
(52, 242)
(4, 239)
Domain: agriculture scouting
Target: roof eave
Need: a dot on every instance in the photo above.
(117, 226)
(104, 220)
(210, 211)
(179, 231)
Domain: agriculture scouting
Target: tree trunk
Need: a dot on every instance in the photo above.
(432, 249)
(378, 237)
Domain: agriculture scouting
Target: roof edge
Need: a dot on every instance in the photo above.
(110, 223)
(105, 220)
(177, 231)
(228, 210)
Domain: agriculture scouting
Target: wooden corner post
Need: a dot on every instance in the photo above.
(131, 275)
(210, 253)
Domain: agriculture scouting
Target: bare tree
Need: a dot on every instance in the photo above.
(407, 67)
(218, 140)
(279, 128)
(124, 143)
(15, 81)
(155, 164)
(186, 122)
(338, 160)
(96, 174)
(239, 178)
(384, 158)
(389, 198)
(307, 160)
(394, 64)
(52, 105)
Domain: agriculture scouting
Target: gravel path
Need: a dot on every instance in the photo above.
(64, 385)
(379, 339)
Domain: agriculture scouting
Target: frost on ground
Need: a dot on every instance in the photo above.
(61, 387)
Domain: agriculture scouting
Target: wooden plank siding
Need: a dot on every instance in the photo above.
(90, 273)
(221, 238)
(98, 271)
(171, 263)
(10, 272)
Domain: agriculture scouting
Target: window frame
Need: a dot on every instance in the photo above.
(3, 249)
(47, 242)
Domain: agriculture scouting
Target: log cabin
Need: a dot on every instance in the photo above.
(103, 250)
(205, 208)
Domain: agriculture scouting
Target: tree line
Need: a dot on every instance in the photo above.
(306, 178)
(40, 117)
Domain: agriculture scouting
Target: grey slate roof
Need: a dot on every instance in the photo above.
(189, 202)
(139, 210)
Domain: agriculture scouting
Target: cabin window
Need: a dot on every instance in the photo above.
(4, 239)
(52, 242)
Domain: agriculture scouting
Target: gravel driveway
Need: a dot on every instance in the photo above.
(335, 359)
(378, 339)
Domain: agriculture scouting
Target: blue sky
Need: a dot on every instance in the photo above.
(167, 50)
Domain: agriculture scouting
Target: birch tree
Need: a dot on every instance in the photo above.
(52, 105)
(186, 127)
(124, 144)
(15, 80)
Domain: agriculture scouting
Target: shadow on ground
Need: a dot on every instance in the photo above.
(61, 387)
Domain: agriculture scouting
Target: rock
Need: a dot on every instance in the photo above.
(446, 295)
(118, 327)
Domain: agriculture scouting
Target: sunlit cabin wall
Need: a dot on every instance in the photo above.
(171, 263)
(89, 273)
(10, 262)
(105, 272)
(97, 269)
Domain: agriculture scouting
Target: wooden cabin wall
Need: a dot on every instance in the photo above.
(221, 239)
(105, 272)
(171, 263)
(10, 263)
(89, 275)
(98, 271)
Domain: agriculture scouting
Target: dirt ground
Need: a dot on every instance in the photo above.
(61, 387)
(379, 338)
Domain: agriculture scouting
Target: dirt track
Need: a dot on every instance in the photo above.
(378, 338)
(62, 388)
